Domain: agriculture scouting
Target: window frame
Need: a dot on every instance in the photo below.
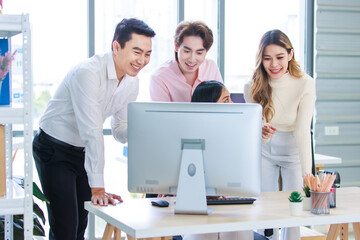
(306, 18)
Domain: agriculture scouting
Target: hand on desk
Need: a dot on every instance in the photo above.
(268, 130)
(99, 196)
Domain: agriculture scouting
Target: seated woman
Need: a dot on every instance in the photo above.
(211, 91)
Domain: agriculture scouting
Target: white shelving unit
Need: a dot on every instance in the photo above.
(17, 200)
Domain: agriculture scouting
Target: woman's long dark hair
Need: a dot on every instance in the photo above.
(208, 91)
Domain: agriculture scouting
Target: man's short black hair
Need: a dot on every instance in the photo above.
(127, 26)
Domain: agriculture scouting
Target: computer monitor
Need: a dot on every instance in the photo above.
(193, 150)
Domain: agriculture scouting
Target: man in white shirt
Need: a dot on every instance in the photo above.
(69, 147)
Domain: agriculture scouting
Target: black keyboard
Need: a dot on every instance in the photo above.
(224, 201)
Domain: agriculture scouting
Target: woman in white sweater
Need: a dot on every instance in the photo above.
(287, 96)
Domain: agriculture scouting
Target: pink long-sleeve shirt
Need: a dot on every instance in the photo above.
(168, 84)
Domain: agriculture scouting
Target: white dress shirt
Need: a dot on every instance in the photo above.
(88, 95)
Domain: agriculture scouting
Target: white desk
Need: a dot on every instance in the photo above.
(271, 210)
(321, 160)
(324, 159)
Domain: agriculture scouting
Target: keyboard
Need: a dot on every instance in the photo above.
(224, 201)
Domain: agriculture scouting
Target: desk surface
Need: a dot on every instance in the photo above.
(271, 210)
(324, 159)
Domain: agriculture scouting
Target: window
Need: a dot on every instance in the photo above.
(244, 26)
(59, 41)
(207, 12)
(109, 13)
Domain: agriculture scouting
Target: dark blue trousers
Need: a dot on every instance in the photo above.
(65, 184)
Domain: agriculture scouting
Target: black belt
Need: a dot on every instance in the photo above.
(60, 143)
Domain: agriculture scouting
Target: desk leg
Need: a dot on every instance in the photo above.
(117, 234)
(356, 227)
(333, 232)
(344, 231)
(108, 232)
(342, 228)
(130, 237)
(91, 226)
(155, 238)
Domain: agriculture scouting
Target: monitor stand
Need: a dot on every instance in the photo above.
(191, 192)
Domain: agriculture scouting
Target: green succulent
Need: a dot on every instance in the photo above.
(295, 197)
(306, 190)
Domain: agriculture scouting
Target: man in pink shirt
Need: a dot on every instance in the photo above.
(176, 79)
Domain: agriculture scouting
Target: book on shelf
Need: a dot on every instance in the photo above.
(5, 83)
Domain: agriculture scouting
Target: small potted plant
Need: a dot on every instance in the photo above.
(306, 199)
(295, 202)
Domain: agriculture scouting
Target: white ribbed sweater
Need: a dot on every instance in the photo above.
(294, 100)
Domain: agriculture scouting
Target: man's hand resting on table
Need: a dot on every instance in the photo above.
(99, 196)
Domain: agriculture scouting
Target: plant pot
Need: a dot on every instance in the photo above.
(296, 208)
(306, 203)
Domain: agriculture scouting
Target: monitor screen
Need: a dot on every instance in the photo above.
(194, 149)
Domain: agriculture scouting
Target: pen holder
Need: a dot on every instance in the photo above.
(320, 203)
